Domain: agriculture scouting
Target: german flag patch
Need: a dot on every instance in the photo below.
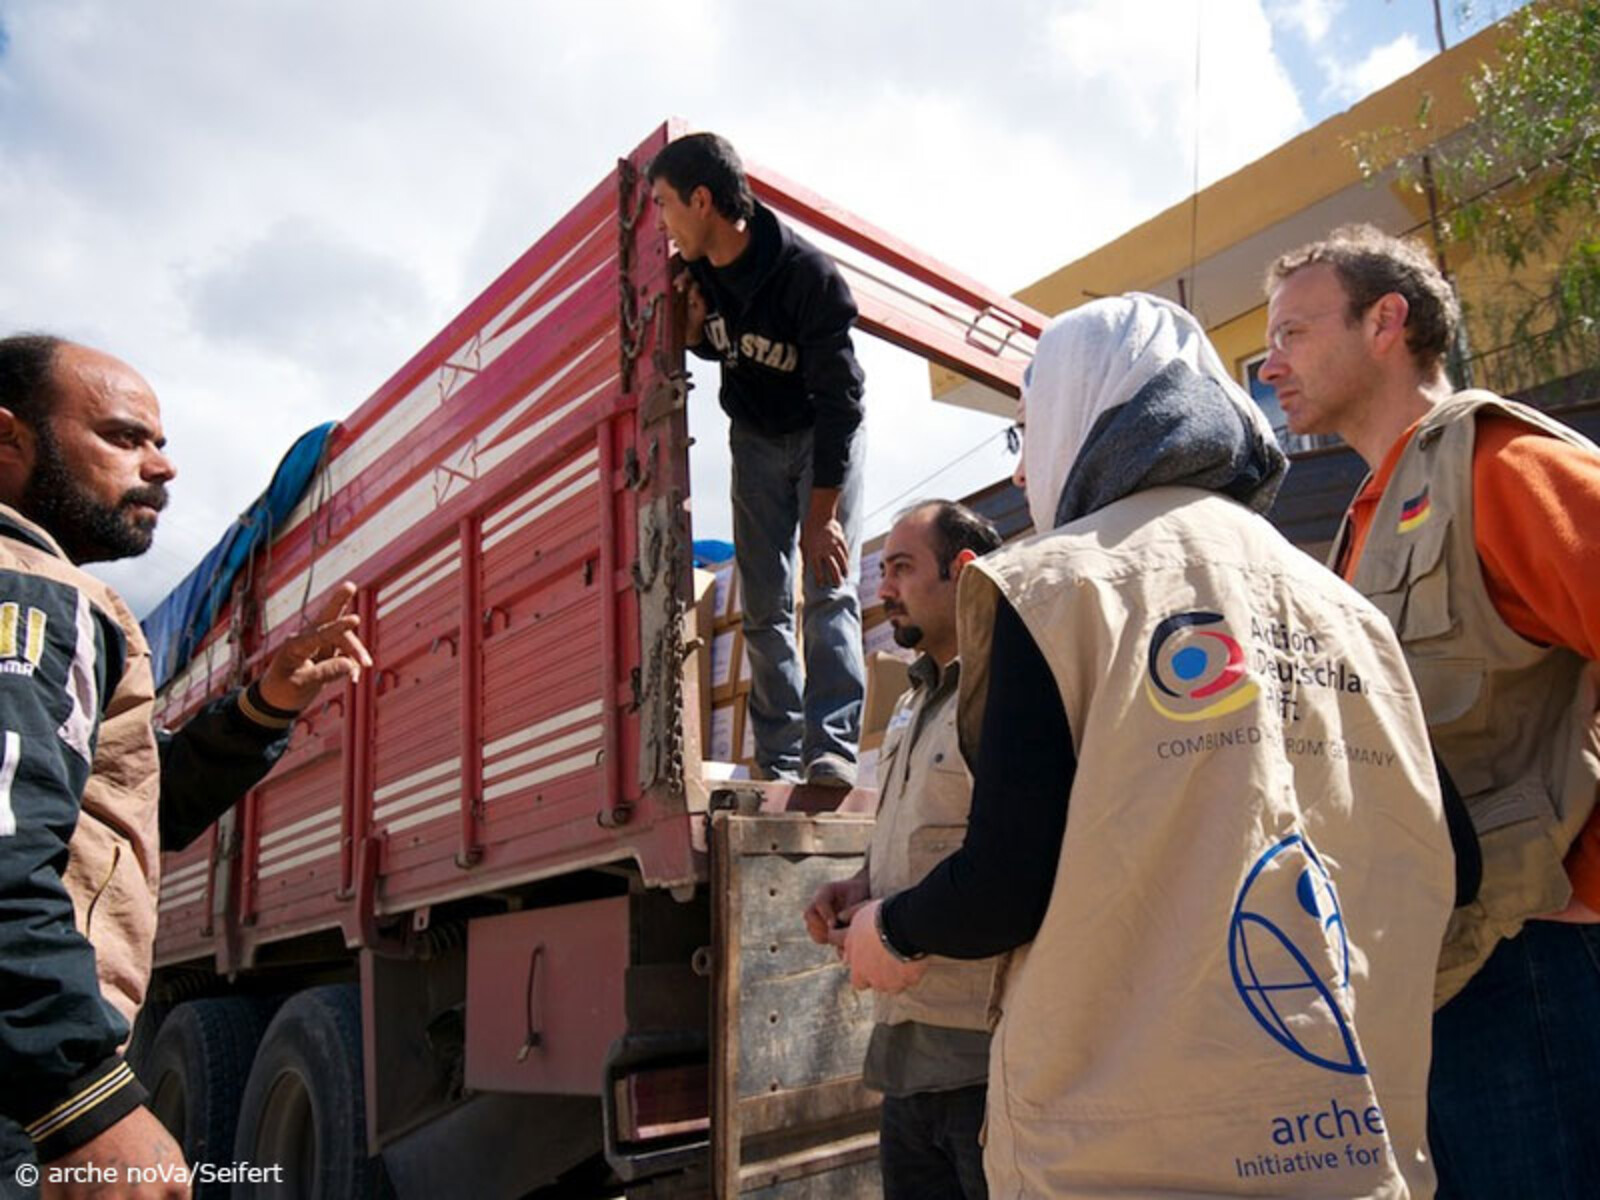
(1415, 511)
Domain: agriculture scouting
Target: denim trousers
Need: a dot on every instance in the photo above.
(796, 717)
(928, 1145)
(1514, 1096)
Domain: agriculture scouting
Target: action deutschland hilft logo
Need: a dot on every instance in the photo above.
(1196, 672)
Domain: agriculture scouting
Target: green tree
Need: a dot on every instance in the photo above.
(1521, 184)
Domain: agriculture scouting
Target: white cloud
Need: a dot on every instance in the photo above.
(1244, 98)
(1311, 19)
(1350, 82)
(269, 208)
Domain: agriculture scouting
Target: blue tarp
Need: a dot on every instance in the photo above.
(710, 551)
(176, 627)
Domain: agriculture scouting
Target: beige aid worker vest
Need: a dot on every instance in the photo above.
(925, 795)
(1232, 988)
(1514, 722)
(114, 859)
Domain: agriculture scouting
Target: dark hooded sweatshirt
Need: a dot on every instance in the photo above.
(778, 320)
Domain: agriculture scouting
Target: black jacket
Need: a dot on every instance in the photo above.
(778, 320)
(60, 1074)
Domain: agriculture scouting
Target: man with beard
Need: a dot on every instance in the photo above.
(929, 1053)
(1205, 822)
(90, 792)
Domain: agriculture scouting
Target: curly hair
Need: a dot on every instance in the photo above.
(1371, 264)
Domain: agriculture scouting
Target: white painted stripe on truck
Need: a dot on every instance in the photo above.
(577, 487)
(421, 817)
(445, 788)
(406, 578)
(186, 886)
(498, 452)
(408, 509)
(405, 417)
(420, 586)
(543, 488)
(509, 335)
(566, 766)
(171, 902)
(299, 860)
(315, 837)
(411, 410)
(192, 887)
(173, 878)
(544, 750)
(321, 817)
(426, 775)
(584, 712)
(179, 900)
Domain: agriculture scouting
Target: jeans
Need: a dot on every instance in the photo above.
(928, 1146)
(1512, 1100)
(771, 492)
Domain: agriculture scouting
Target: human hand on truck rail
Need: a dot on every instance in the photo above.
(694, 305)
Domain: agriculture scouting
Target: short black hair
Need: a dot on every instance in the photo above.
(28, 376)
(955, 528)
(709, 161)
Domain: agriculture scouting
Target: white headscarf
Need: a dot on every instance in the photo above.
(1095, 358)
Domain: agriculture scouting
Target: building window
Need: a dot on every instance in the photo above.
(1265, 395)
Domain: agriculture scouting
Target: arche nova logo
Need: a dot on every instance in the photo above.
(1289, 953)
(1197, 668)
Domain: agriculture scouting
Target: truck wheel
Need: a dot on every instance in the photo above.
(304, 1107)
(143, 1038)
(195, 1070)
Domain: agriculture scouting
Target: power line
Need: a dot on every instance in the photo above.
(918, 486)
(1190, 301)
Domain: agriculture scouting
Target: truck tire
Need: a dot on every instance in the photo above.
(195, 1070)
(304, 1106)
(143, 1038)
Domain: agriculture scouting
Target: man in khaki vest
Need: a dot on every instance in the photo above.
(1476, 534)
(1205, 821)
(929, 1053)
(89, 790)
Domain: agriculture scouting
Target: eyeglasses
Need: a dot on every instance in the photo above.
(1281, 336)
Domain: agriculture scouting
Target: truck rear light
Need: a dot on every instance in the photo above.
(663, 1102)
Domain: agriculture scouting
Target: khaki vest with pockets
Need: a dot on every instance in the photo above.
(1231, 991)
(925, 794)
(1513, 721)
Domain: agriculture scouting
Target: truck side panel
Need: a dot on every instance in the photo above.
(488, 501)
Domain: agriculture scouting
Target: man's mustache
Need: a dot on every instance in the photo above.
(151, 496)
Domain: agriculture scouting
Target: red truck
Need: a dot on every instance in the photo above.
(487, 930)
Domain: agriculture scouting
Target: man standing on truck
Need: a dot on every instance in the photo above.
(1205, 821)
(775, 313)
(1475, 533)
(929, 1053)
(90, 791)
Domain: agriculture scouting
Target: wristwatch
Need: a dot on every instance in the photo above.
(894, 951)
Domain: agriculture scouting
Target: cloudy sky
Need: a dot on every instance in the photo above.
(268, 205)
